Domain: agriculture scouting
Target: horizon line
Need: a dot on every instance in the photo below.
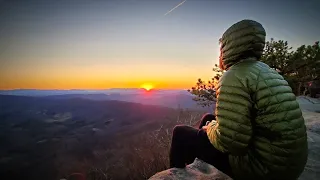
(14, 89)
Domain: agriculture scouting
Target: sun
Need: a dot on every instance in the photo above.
(147, 86)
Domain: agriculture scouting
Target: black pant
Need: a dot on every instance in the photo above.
(189, 143)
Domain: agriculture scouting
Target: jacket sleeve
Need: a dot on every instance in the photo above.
(233, 130)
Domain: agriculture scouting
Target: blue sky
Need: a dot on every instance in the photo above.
(123, 43)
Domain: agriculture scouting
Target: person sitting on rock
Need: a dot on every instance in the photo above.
(258, 130)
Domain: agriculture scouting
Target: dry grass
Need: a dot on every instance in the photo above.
(142, 155)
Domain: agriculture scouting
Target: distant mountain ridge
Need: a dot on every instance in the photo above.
(38, 92)
(160, 97)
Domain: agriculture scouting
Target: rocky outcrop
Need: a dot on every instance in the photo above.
(200, 170)
(312, 168)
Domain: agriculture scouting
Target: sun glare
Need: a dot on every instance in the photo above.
(147, 87)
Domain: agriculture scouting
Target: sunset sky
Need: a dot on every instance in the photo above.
(99, 44)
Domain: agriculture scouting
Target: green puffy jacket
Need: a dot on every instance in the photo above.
(259, 122)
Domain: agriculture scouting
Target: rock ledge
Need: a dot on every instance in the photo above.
(197, 170)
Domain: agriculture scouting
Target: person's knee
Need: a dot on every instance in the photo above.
(208, 117)
(178, 129)
(207, 114)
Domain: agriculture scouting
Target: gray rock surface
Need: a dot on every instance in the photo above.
(309, 104)
(312, 168)
(200, 170)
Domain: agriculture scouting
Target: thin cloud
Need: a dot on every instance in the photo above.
(175, 7)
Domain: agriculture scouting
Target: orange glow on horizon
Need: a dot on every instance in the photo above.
(97, 80)
(92, 84)
(100, 76)
(147, 86)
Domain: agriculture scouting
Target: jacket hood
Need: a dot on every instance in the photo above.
(243, 40)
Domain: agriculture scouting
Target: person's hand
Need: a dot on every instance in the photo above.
(205, 128)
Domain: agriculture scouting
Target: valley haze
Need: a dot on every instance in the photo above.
(173, 98)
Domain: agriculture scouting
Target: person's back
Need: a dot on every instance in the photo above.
(259, 122)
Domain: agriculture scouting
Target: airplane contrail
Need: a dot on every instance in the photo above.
(175, 7)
